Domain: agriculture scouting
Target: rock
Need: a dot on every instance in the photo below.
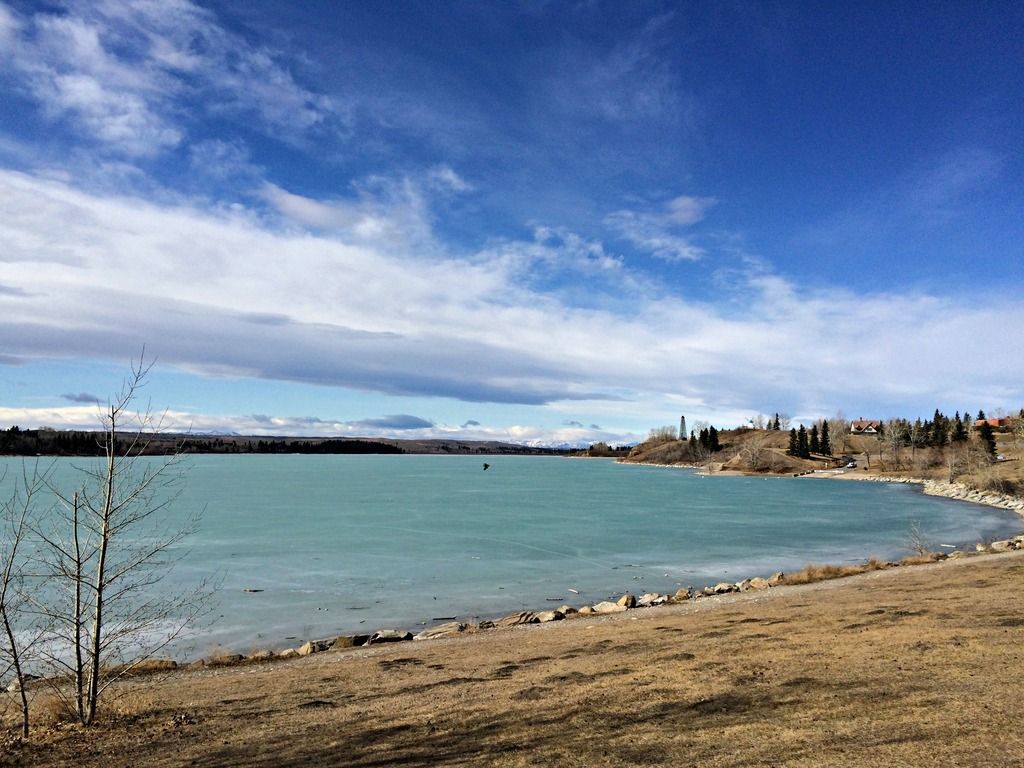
(567, 611)
(757, 583)
(724, 587)
(979, 547)
(315, 646)
(627, 601)
(441, 630)
(154, 665)
(262, 656)
(585, 610)
(776, 578)
(515, 619)
(683, 593)
(1001, 546)
(545, 616)
(349, 641)
(485, 624)
(608, 607)
(389, 636)
(226, 660)
(288, 653)
(648, 599)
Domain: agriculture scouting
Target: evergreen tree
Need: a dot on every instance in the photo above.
(713, 444)
(815, 444)
(987, 438)
(940, 429)
(826, 444)
(693, 444)
(959, 432)
(794, 446)
(703, 439)
(981, 415)
(777, 426)
(802, 449)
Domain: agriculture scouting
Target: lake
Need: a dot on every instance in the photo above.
(350, 544)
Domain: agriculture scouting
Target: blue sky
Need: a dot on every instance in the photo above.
(532, 221)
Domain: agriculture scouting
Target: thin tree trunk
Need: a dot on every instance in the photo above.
(79, 663)
(101, 563)
(19, 675)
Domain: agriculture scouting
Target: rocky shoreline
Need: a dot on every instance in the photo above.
(627, 602)
(956, 491)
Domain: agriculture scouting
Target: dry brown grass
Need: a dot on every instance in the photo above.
(813, 572)
(903, 666)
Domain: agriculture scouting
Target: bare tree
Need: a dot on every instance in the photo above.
(20, 633)
(755, 450)
(105, 551)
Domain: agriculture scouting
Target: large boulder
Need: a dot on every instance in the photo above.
(683, 593)
(515, 619)
(341, 642)
(389, 636)
(315, 646)
(1001, 546)
(721, 588)
(776, 578)
(609, 607)
(567, 610)
(585, 610)
(441, 630)
(545, 616)
(650, 599)
(627, 601)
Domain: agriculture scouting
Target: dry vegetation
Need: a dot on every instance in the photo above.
(761, 451)
(901, 666)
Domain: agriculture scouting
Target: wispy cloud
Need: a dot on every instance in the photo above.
(656, 232)
(120, 72)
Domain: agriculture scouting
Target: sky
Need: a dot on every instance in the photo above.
(542, 222)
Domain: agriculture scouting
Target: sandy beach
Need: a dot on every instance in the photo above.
(908, 666)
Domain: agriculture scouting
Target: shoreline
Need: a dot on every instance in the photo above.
(861, 671)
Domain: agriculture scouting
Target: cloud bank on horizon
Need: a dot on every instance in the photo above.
(613, 216)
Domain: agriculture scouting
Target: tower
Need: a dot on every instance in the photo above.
(683, 434)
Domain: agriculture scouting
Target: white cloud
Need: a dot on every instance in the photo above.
(444, 177)
(653, 231)
(222, 292)
(128, 73)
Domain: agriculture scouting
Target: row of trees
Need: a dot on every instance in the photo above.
(803, 444)
(79, 568)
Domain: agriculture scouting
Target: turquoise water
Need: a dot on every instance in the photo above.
(343, 544)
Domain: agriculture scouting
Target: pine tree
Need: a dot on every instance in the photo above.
(776, 426)
(959, 432)
(794, 446)
(815, 444)
(826, 444)
(713, 444)
(981, 415)
(802, 449)
(987, 438)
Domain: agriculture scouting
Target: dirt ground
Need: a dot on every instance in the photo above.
(914, 666)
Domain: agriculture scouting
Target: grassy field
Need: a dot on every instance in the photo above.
(908, 666)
